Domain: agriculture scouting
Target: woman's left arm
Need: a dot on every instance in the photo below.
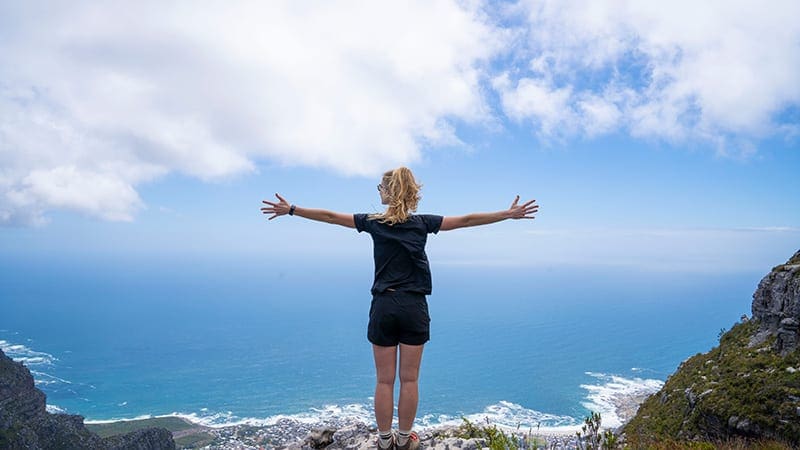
(282, 207)
(516, 211)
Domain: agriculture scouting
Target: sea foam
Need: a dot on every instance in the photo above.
(25, 355)
(327, 414)
(53, 409)
(506, 415)
(616, 398)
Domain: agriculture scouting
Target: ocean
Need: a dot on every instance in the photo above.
(233, 341)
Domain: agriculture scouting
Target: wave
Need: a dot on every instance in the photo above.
(327, 414)
(124, 419)
(53, 409)
(25, 355)
(503, 414)
(617, 398)
(506, 415)
(44, 378)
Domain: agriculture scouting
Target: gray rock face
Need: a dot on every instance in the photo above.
(18, 396)
(776, 305)
(25, 424)
(321, 438)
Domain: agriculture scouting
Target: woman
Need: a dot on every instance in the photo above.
(398, 315)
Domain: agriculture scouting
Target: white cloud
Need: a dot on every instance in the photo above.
(96, 98)
(102, 97)
(601, 115)
(537, 100)
(716, 70)
(73, 188)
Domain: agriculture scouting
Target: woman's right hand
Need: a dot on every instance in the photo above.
(276, 209)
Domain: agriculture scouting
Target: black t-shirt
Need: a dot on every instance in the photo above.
(399, 250)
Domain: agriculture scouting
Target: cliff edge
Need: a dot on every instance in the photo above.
(746, 388)
(776, 307)
(25, 424)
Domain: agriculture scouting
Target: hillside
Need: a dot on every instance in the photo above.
(748, 387)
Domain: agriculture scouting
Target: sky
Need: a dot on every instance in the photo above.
(655, 135)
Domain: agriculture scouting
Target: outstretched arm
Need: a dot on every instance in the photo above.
(283, 207)
(524, 211)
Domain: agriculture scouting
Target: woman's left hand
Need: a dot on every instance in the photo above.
(276, 209)
(524, 211)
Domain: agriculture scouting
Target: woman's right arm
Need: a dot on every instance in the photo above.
(282, 207)
(524, 211)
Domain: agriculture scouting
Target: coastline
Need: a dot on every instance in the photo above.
(292, 434)
(339, 432)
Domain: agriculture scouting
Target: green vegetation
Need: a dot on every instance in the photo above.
(721, 333)
(114, 428)
(591, 439)
(195, 440)
(191, 439)
(733, 391)
(795, 260)
(730, 444)
(496, 439)
(7, 436)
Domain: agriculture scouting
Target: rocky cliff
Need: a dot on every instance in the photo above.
(776, 307)
(25, 424)
(747, 388)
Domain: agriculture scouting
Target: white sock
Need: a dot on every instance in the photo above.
(402, 437)
(384, 438)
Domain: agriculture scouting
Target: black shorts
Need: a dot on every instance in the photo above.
(398, 317)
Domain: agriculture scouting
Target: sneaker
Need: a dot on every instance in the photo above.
(411, 444)
(392, 443)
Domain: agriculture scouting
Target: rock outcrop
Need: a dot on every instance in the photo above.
(25, 424)
(362, 437)
(776, 307)
(746, 388)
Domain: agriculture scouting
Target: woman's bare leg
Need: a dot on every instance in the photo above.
(410, 359)
(385, 370)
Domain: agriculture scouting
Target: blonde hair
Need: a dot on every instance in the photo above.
(403, 194)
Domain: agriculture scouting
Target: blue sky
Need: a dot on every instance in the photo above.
(657, 136)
